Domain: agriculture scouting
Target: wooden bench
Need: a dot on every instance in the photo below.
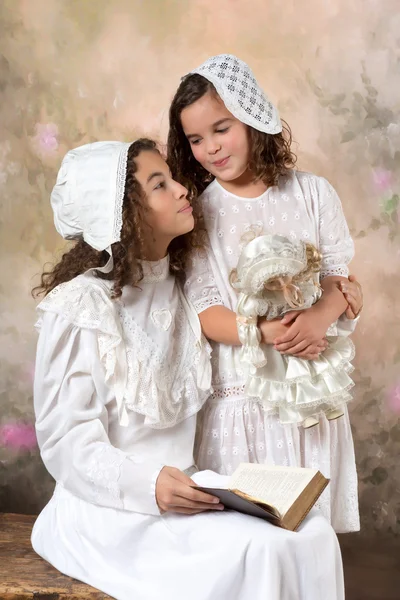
(372, 567)
(24, 575)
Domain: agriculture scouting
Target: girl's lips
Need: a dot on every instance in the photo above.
(221, 163)
(187, 208)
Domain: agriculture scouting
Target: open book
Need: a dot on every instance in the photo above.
(281, 495)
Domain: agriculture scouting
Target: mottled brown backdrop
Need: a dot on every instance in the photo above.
(73, 71)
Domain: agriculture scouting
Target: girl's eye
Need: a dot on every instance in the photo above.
(195, 142)
(160, 185)
(222, 130)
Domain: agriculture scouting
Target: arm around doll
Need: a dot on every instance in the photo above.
(219, 325)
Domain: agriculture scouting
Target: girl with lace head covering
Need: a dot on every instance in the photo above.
(122, 370)
(228, 144)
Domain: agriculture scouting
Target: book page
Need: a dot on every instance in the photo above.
(211, 479)
(277, 486)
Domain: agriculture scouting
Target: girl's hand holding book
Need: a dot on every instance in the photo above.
(175, 492)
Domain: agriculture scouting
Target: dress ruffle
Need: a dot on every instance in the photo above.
(146, 382)
(296, 388)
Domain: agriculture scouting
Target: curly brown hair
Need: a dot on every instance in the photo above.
(126, 253)
(270, 155)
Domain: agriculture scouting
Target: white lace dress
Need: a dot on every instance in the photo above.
(117, 388)
(235, 427)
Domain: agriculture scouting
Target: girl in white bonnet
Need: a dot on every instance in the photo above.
(228, 144)
(122, 371)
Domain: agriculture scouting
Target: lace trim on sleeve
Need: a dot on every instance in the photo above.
(205, 303)
(103, 472)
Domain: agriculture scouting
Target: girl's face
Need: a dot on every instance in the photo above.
(170, 212)
(218, 140)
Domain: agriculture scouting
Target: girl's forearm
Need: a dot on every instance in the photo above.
(332, 303)
(219, 325)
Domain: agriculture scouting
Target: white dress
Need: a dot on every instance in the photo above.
(142, 362)
(235, 427)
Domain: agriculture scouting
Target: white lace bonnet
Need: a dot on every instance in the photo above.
(266, 257)
(240, 92)
(88, 196)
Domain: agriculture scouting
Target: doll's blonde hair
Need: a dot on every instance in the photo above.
(289, 286)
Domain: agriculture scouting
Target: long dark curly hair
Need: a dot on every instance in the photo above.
(270, 155)
(127, 268)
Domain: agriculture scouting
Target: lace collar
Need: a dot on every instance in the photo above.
(154, 271)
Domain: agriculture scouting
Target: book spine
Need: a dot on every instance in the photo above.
(310, 507)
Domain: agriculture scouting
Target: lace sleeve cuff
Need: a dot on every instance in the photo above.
(346, 326)
(204, 303)
(338, 271)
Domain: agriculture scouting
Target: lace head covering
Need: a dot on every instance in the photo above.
(240, 92)
(88, 196)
